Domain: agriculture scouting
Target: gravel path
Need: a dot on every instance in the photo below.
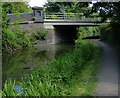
(108, 76)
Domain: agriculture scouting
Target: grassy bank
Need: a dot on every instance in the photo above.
(13, 40)
(71, 74)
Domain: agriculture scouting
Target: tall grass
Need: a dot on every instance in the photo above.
(9, 89)
(73, 73)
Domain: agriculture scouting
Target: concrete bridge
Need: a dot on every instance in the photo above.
(66, 19)
(61, 26)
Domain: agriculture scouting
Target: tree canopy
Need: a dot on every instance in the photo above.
(107, 10)
(16, 7)
(13, 7)
(73, 7)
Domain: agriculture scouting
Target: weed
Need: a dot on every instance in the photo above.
(76, 70)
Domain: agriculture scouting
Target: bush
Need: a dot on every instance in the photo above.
(104, 30)
(88, 31)
(18, 39)
(59, 77)
(40, 34)
(14, 40)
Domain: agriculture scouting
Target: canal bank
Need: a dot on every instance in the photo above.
(72, 71)
(16, 65)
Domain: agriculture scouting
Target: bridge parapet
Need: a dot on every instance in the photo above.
(70, 16)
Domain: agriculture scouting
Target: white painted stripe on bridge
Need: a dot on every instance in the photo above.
(73, 24)
(51, 25)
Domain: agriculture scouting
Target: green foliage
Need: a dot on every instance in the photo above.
(88, 31)
(16, 7)
(13, 40)
(105, 27)
(40, 34)
(110, 33)
(68, 7)
(15, 63)
(62, 76)
(13, 7)
(109, 10)
(19, 39)
(9, 89)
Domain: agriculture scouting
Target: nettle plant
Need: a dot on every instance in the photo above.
(40, 34)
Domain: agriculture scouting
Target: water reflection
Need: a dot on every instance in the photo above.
(16, 65)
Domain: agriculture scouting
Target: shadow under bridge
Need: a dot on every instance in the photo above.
(66, 33)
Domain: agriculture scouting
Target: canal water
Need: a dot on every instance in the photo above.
(16, 65)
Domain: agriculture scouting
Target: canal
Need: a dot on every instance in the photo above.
(16, 65)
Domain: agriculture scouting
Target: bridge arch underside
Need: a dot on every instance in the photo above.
(65, 33)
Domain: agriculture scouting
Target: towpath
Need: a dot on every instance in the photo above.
(108, 75)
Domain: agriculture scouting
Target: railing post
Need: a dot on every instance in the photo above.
(64, 16)
(69, 16)
(44, 15)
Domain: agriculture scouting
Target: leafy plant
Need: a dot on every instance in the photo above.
(40, 34)
(59, 77)
(15, 39)
(88, 32)
(9, 89)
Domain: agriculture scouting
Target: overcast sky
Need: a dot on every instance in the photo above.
(40, 3)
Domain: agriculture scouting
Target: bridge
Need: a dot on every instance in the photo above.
(52, 19)
(61, 26)
(70, 19)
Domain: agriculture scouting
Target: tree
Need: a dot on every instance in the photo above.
(69, 7)
(16, 7)
(107, 10)
(111, 11)
(12, 40)
(13, 7)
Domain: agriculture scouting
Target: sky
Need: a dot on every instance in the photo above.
(38, 3)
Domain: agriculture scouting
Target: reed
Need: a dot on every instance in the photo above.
(74, 73)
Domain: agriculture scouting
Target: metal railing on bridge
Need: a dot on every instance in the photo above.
(70, 16)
